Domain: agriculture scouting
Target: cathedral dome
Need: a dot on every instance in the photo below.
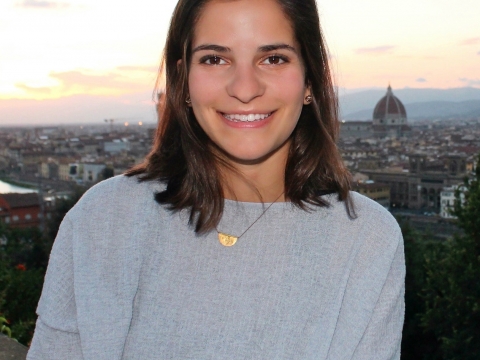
(389, 110)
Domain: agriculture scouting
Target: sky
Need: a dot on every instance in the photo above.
(56, 49)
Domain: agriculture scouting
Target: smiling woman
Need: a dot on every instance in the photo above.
(238, 237)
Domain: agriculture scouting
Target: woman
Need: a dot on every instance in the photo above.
(238, 237)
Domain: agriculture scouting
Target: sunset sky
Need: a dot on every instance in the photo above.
(53, 49)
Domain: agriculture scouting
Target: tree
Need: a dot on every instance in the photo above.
(417, 344)
(452, 291)
(23, 260)
(62, 206)
(23, 257)
(107, 173)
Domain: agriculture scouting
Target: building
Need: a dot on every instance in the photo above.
(420, 186)
(389, 119)
(93, 172)
(20, 210)
(69, 171)
(447, 200)
(376, 191)
(116, 146)
(356, 129)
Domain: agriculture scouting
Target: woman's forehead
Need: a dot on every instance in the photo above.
(241, 21)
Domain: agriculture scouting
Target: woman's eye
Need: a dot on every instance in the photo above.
(275, 60)
(213, 60)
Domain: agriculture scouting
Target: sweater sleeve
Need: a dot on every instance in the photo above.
(56, 333)
(382, 337)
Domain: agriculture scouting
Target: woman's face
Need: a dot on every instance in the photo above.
(246, 79)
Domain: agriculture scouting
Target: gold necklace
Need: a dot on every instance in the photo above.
(230, 240)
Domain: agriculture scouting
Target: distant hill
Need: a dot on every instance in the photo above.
(78, 109)
(354, 105)
(419, 103)
(429, 110)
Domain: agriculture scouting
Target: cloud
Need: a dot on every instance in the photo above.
(421, 80)
(43, 4)
(375, 50)
(145, 68)
(34, 90)
(79, 79)
(83, 82)
(470, 82)
(471, 41)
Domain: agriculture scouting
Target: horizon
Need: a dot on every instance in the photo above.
(87, 109)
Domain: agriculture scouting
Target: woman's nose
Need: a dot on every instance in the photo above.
(245, 83)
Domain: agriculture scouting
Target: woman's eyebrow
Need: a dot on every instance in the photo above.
(212, 47)
(274, 47)
(263, 48)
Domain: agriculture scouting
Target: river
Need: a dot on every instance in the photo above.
(7, 188)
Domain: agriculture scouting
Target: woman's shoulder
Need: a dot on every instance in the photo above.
(368, 220)
(115, 195)
(371, 212)
(377, 227)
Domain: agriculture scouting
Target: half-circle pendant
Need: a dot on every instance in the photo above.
(227, 240)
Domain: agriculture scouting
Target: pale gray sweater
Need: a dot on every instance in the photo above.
(128, 279)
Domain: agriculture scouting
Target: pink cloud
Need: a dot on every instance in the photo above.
(471, 41)
(43, 4)
(82, 82)
(377, 50)
(146, 68)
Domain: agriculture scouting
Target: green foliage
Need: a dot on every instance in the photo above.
(23, 260)
(107, 173)
(416, 343)
(452, 290)
(4, 329)
(62, 206)
(25, 246)
(19, 297)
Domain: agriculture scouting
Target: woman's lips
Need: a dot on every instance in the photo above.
(246, 117)
(247, 121)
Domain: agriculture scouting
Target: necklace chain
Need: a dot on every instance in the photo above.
(230, 240)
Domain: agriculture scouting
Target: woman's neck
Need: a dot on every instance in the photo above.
(260, 182)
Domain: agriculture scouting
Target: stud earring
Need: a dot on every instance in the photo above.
(308, 99)
(188, 100)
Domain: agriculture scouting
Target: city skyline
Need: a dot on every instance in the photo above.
(58, 49)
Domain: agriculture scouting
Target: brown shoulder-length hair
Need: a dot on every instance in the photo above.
(182, 155)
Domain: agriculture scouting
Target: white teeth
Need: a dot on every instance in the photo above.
(245, 118)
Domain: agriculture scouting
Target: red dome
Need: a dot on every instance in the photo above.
(389, 107)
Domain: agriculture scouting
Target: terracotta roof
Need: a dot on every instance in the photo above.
(16, 200)
(389, 105)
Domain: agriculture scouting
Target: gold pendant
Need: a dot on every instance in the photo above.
(227, 240)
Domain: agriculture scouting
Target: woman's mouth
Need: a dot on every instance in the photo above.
(246, 117)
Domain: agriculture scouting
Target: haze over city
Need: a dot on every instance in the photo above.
(86, 60)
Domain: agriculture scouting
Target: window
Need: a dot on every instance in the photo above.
(15, 218)
(7, 219)
(28, 217)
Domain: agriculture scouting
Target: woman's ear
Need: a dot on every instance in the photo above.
(307, 98)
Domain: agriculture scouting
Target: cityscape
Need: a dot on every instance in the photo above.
(417, 169)
(412, 168)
